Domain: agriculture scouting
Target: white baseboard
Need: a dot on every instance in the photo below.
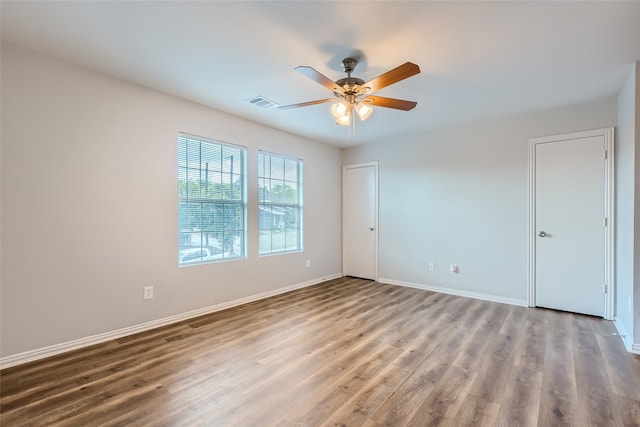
(627, 339)
(458, 292)
(635, 348)
(41, 353)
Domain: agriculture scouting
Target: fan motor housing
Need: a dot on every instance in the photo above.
(350, 84)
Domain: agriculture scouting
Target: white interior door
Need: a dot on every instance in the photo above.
(359, 220)
(570, 224)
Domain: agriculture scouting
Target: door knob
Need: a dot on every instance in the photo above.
(370, 228)
(542, 234)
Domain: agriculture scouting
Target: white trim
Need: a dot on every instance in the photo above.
(31, 355)
(608, 134)
(531, 223)
(457, 292)
(609, 235)
(635, 348)
(373, 164)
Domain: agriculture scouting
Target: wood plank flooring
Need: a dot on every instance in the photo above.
(347, 352)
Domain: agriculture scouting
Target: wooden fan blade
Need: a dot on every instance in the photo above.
(305, 104)
(398, 104)
(319, 78)
(402, 72)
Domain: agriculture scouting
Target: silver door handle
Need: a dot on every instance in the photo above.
(542, 234)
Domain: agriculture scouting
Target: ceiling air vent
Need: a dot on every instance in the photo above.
(261, 101)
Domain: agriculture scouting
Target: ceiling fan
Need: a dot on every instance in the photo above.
(354, 94)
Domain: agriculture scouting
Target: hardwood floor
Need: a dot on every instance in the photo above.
(347, 352)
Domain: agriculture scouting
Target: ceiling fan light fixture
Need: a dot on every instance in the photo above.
(351, 91)
(363, 110)
(344, 120)
(339, 109)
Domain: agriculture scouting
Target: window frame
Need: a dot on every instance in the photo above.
(298, 206)
(218, 208)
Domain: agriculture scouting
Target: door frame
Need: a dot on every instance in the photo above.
(373, 164)
(609, 176)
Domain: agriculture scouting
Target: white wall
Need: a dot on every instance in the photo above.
(625, 203)
(459, 196)
(89, 206)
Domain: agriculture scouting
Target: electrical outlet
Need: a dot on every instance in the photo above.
(432, 266)
(147, 292)
(453, 268)
(308, 263)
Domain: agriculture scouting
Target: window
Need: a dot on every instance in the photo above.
(212, 202)
(279, 204)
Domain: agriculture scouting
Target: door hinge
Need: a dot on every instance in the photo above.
(606, 221)
(605, 288)
(605, 154)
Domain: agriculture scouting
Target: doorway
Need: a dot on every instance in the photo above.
(360, 220)
(571, 222)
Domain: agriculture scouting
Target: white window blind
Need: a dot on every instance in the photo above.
(279, 203)
(212, 202)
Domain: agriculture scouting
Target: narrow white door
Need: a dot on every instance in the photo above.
(570, 224)
(359, 224)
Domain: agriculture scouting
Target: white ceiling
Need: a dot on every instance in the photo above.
(479, 60)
